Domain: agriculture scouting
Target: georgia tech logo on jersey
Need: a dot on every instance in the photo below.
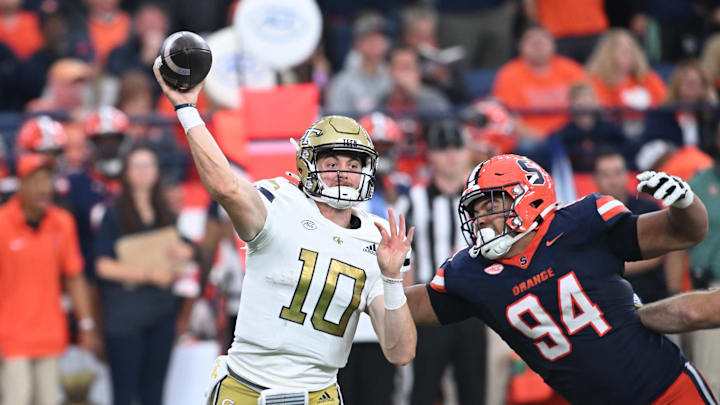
(228, 402)
(337, 240)
(494, 269)
(309, 225)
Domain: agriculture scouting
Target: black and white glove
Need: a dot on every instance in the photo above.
(672, 190)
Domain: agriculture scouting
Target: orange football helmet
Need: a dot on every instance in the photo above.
(41, 135)
(527, 194)
(490, 123)
(106, 120)
(381, 128)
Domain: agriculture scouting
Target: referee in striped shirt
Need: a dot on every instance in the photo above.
(433, 213)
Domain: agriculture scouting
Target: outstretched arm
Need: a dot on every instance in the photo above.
(389, 313)
(683, 312)
(681, 226)
(239, 198)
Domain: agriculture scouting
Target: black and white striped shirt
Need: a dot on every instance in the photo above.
(437, 229)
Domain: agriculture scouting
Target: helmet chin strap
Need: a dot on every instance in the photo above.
(498, 248)
(348, 196)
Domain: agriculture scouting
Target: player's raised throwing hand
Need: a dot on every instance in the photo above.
(177, 97)
(394, 246)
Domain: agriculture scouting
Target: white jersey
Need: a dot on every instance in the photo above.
(306, 282)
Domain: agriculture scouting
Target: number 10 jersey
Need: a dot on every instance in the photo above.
(307, 280)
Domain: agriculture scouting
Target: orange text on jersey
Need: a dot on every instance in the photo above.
(533, 281)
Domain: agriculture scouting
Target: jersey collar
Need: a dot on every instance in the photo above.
(524, 258)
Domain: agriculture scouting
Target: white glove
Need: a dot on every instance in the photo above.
(672, 190)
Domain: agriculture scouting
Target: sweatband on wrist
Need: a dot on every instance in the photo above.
(189, 117)
(394, 292)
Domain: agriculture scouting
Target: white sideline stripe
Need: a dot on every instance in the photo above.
(608, 206)
(706, 393)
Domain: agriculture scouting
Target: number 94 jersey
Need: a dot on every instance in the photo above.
(307, 280)
(564, 307)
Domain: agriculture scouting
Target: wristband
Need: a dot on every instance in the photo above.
(86, 323)
(189, 117)
(179, 106)
(394, 293)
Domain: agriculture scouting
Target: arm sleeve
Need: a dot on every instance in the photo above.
(447, 307)
(269, 229)
(622, 238)
(72, 260)
(107, 235)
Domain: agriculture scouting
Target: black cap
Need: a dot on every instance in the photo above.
(445, 134)
(368, 23)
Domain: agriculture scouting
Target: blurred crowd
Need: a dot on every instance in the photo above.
(593, 90)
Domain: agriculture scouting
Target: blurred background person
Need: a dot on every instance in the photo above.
(149, 29)
(710, 60)
(440, 68)
(687, 122)
(364, 78)
(575, 25)
(705, 263)
(139, 309)
(678, 138)
(136, 99)
(483, 28)
(410, 101)
(19, 29)
(102, 27)
(39, 250)
(537, 79)
(573, 149)
(67, 90)
(622, 77)
(462, 346)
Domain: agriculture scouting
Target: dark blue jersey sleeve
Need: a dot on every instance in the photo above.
(449, 308)
(605, 218)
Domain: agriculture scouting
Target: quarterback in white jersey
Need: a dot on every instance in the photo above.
(314, 263)
(306, 283)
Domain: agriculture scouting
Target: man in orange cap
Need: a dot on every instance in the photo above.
(38, 249)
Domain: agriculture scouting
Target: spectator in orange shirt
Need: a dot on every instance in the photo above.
(537, 79)
(38, 248)
(107, 27)
(19, 30)
(576, 25)
(619, 71)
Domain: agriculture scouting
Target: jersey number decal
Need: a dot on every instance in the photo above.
(337, 268)
(576, 312)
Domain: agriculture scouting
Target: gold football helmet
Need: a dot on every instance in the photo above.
(336, 134)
